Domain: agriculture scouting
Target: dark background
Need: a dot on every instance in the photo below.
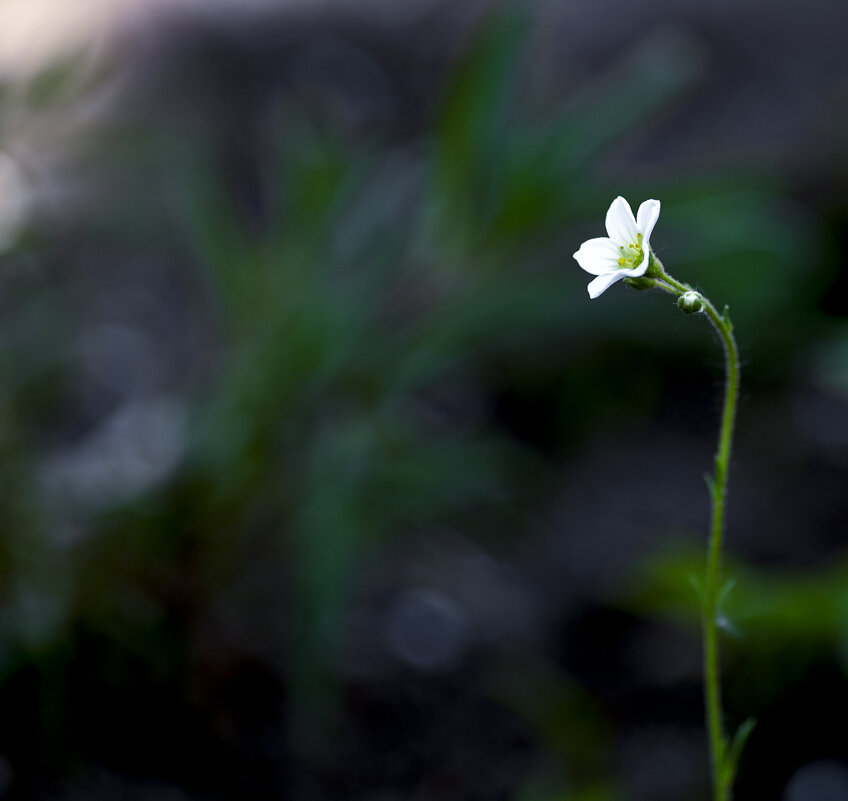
(320, 475)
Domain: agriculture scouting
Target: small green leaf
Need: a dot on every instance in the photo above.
(695, 581)
(733, 751)
(722, 619)
(710, 482)
(725, 591)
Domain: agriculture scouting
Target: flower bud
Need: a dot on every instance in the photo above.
(640, 284)
(691, 302)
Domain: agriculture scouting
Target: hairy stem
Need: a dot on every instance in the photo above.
(722, 776)
(712, 580)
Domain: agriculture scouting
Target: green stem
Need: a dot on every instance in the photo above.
(712, 580)
(712, 684)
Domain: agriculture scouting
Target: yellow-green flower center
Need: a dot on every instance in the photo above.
(632, 254)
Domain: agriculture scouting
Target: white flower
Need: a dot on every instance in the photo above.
(626, 252)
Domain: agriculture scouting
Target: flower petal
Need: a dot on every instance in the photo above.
(640, 269)
(598, 256)
(621, 226)
(646, 219)
(604, 282)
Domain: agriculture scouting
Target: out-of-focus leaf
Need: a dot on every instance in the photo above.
(469, 140)
(769, 606)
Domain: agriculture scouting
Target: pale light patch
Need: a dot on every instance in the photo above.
(34, 34)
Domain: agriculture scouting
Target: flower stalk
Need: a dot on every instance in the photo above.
(599, 257)
(722, 760)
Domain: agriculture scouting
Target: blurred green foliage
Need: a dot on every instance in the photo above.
(771, 617)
